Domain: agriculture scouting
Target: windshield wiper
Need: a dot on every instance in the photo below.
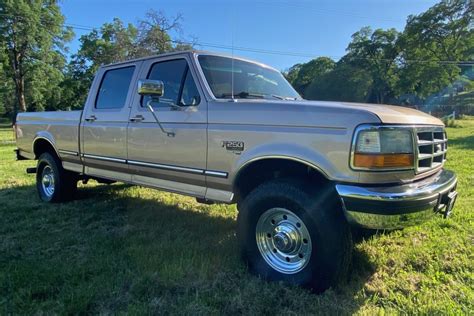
(243, 95)
(282, 98)
(247, 95)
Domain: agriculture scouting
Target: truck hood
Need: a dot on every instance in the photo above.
(389, 114)
(323, 114)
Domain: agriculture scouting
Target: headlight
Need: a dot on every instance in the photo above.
(382, 148)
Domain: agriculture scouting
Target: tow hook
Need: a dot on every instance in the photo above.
(446, 202)
(450, 201)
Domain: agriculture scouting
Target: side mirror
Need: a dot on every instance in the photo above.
(153, 88)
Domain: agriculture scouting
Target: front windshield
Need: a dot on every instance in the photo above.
(250, 80)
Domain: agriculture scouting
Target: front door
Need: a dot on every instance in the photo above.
(175, 162)
(105, 120)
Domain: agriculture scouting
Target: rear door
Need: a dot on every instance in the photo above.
(174, 163)
(105, 120)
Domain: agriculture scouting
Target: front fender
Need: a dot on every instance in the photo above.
(288, 151)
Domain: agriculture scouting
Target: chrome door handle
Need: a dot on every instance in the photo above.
(91, 118)
(137, 118)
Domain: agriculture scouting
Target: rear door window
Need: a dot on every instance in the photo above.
(114, 88)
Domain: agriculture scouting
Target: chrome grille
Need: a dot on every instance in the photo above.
(432, 145)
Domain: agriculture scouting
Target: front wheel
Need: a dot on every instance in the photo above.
(54, 184)
(290, 233)
(283, 240)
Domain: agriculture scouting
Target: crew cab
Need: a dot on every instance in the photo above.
(225, 129)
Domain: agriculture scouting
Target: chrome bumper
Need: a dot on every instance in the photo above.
(392, 207)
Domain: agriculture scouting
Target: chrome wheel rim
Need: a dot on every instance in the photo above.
(283, 240)
(47, 181)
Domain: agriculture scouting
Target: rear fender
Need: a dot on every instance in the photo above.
(47, 136)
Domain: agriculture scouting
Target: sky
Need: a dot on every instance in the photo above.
(279, 33)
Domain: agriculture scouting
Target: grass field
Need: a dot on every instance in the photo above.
(128, 249)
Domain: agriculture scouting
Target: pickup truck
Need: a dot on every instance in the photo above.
(229, 130)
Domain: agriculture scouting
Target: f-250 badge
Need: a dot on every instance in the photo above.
(233, 145)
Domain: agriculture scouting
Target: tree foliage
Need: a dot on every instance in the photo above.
(430, 60)
(310, 71)
(114, 42)
(291, 74)
(32, 41)
(337, 85)
(431, 56)
(431, 42)
(376, 52)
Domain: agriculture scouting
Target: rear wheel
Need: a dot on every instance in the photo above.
(293, 234)
(54, 184)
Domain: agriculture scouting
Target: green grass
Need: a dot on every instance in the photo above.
(120, 249)
(5, 122)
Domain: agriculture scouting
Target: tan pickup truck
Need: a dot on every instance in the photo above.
(231, 130)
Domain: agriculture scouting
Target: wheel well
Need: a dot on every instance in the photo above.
(41, 146)
(263, 170)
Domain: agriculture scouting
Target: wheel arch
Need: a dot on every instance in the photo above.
(263, 168)
(43, 143)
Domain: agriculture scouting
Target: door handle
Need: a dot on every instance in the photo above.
(137, 118)
(91, 118)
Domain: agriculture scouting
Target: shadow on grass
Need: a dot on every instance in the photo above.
(111, 251)
(466, 142)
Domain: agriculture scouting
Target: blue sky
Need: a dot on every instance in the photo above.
(302, 27)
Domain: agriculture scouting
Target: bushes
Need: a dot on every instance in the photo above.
(450, 122)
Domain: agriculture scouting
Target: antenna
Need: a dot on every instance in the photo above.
(232, 22)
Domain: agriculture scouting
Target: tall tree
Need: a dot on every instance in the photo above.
(154, 36)
(114, 42)
(346, 82)
(376, 52)
(291, 74)
(32, 38)
(311, 71)
(433, 42)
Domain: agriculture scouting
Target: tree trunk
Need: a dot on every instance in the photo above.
(19, 79)
(20, 93)
(378, 97)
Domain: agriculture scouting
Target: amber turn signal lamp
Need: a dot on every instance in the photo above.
(383, 160)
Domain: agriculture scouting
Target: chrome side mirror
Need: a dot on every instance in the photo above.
(153, 88)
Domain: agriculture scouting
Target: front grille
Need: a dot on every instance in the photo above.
(432, 146)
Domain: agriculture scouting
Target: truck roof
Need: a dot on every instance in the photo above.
(190, 52)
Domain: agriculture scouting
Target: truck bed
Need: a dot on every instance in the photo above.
(61, 128)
